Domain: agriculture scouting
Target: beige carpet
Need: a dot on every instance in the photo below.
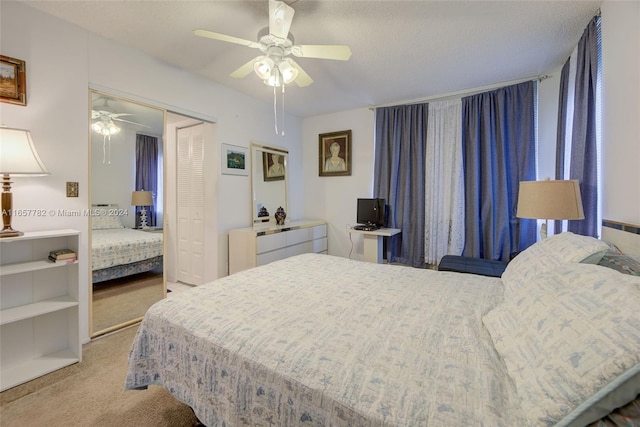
(121, 300)
(91, 393)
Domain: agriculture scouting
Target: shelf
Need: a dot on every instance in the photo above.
(34, 368)
(24, 267)
(27, 311)
(30, 235)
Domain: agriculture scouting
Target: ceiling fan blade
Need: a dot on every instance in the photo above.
(225, 38)
(328, 51)
(303, 78)
(119, 114)
(244, 70)
(280, 17)
(133, 123)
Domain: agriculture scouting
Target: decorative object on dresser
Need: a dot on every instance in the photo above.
(280, 216)
(558, 199)
(14, 81)
(143, 199)
(39, 313)
(334, 153)
(253, 246)
(18, 157)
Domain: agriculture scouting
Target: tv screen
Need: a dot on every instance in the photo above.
(371, 212)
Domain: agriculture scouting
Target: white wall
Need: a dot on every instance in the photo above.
(334, 198)
(62, 62)
(621, 111)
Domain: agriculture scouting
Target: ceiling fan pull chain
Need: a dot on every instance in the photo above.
(282, 106)
(275, 110)
(109, 151)
(104, 149)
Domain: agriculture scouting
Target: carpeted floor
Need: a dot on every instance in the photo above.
(91, 393)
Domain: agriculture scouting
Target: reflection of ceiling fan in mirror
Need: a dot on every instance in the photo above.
(275, 67)
(103, 120)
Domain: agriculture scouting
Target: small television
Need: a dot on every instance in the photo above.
(371, 212)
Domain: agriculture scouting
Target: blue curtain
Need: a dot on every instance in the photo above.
(147, 173)
(399, 174)
(498, 143)
(583, 156)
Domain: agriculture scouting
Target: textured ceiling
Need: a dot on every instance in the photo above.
(402, 50)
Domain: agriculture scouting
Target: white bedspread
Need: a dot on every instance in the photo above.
(120, 246)
(325, 341)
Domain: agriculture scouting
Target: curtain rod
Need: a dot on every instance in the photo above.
(459, 93)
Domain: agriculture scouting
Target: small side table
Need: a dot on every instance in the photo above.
(373, 242)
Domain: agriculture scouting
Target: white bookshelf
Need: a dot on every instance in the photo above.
(39, 317)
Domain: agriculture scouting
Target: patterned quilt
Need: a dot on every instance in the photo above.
(120, 246)
(317, 340)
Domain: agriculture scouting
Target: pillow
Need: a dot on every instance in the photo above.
(615, 259)
(571, 344)
(547, 254)
(105, 222)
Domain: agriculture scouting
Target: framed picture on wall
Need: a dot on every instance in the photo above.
(334, 157)
(235, 160)
(272, 166)
(13, 81)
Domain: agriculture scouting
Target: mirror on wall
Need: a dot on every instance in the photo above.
(269, 172)
(127, 237)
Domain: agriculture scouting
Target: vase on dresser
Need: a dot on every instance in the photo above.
(280, 216)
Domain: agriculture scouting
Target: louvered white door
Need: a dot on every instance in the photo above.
(190, 209)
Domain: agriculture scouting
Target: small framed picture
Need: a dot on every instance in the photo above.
(13, 81)
(273, 166)
(235, 160)
(334, 157)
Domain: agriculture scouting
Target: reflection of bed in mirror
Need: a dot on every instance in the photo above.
(118, 252)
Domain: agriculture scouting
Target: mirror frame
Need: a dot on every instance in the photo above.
(92, 332)
(258, 180)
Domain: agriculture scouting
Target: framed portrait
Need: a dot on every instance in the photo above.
(235, 160)
(13, 81)
(334, 157)
(273, 166)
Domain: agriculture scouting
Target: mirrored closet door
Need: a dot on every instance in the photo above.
(127, 199)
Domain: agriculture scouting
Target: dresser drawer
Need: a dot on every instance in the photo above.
(270, 242)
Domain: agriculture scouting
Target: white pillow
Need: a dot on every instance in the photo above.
(547, 254)
(105, 222)
(571, 343)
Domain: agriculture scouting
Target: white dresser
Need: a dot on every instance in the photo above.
(253, 246)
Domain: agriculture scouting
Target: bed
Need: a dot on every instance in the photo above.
(317, 340)
(117, 251)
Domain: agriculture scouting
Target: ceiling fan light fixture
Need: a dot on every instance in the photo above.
(263, 67)
(287, 71)
(105, 128)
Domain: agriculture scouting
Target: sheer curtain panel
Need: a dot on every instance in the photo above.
(444, 182)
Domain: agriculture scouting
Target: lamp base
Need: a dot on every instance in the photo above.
(10, 233)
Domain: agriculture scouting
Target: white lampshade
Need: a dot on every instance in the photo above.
(550, 200)
(18, 156)
(141, 198)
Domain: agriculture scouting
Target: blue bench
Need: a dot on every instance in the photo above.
(463, 264)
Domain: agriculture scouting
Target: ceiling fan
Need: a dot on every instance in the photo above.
(275, 67)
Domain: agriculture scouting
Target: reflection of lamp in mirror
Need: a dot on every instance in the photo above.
(142, 199)
(18, 157)
(550, 200)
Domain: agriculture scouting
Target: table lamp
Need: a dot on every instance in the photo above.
(18, 158)
(143, 199)
(550, 199)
